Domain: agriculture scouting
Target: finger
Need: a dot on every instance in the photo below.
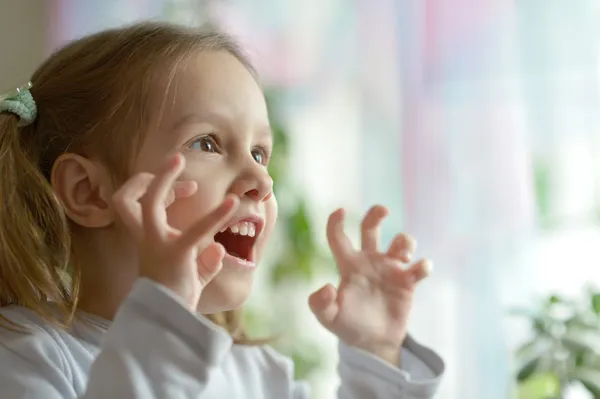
(180, 190)
(370, 228)
(126, 202)
(210, 225)
(185, 189)
(210, 262)
(419, 271)
(338, 240)
(402, 247)
(153, 209)
(324, 305)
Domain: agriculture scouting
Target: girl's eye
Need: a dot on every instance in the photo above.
(204, 143)
(260, 155)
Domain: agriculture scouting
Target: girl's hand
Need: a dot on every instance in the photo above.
(184, 262)
(370, 308)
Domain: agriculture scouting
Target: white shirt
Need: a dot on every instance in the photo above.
(155, 349)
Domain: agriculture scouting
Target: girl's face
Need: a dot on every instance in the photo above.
(216, 116)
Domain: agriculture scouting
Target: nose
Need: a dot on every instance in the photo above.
(254, 184)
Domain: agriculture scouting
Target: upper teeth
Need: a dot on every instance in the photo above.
(242, 228)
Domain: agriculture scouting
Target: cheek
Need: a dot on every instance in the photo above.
(271, 210)
(187, 211)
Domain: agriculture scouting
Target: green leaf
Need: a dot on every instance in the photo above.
(543, 385)
(579, 359)
(591, 360)
(526, 350)
(306, 361)
(593, 389)
(299, 230)
(589, 378)
(283, 271)
(576, 343)
(306, 267)
(280, 137)
(579, 323)
(278, 166)
(595, 302)
(302, 254)
(528, 369)
(256, 322)
(294, 268)
(280, 140)
(539, 325)
(554, 299)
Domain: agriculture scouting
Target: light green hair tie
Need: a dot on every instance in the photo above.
(21, 103)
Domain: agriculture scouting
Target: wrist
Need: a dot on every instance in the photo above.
(391, 355)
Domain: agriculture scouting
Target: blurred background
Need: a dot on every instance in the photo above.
(476, 121)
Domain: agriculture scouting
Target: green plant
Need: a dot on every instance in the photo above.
(300, 255)
(564, 348)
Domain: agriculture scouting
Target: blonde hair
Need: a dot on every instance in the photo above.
(91, 95)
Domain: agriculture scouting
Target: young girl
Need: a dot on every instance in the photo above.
(135, 206)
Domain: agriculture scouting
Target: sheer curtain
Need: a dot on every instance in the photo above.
(489, 91)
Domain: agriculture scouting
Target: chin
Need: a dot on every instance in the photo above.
(229, 290)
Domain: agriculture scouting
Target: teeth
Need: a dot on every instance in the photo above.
(242, 228)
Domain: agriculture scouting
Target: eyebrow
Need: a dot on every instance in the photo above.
(195, 117)
(214, 117)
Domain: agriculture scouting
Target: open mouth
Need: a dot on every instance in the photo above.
(239, 239)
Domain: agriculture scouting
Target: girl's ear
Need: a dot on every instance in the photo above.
(85, 190)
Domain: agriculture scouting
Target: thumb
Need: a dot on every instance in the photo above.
(324, 305)
(210, 262)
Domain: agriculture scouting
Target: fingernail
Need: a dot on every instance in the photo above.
(428, 267)
(407, 255)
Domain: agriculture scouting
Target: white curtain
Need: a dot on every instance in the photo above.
(494, 96)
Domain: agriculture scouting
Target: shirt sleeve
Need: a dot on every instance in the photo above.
(155, 348)
(364, 375)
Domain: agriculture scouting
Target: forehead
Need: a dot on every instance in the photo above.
(212, 88)
(217, 82)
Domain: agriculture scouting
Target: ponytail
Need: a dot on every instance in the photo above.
(34, 233)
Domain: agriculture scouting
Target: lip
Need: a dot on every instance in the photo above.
(248, 264)
(258, 222)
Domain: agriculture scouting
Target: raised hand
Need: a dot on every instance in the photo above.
(370, 308)
(184, 262)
